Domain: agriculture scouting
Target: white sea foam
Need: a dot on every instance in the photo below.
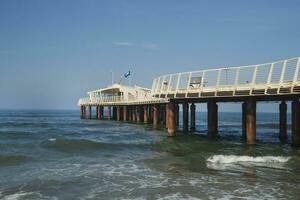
(227, 159)
(52, 139)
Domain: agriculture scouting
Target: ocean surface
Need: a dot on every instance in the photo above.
(55, 155)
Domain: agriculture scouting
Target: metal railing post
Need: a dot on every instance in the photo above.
(177, 84)
(218, 81)
(281, 76)
(295, 79)
(237, 74)
(253, 79)
(188, 84)
(202, 81)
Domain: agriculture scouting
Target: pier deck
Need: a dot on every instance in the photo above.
(275, 81)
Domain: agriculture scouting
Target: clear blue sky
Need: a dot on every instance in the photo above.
(52, 52)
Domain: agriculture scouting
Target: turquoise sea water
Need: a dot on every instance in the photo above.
(55, 155)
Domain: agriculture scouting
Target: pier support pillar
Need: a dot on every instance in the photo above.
(163, 113)
(138, 114)
(296, 123)
(125, 113)
(171, 119)
(133, 113)
(185, 117)
(212, 119)
(109, 113)
(81, 112)
(118, 113)
(251, 121)
(193, 117)
(282, 121)
(176, 115)
(90, 112)
(244, 122)
(155, 115)
(100, 112)
(129, 113)
(114, 112)
(145, 114)
(84, 112)
(97, 110)
(166, 115)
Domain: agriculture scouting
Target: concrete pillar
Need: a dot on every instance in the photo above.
(81, 112)
(129, 113)
(170, 110)
(176, 115)
(155, 114)
(185, 117)
(212, 119)
(193, 117)
(163, 113)
(251, 121)
(109, 113)
(118, 113)
(114, 112)
(100, 112)
(138, 114)
(125, 113)
(97, 110)
(90, 112)
(145, 114)
(296, 123)
(282, 121)
(166, 115)
(133, 113)
(84, 112)
(244, 122)
(171, 119)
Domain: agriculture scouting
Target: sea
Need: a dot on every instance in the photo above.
(52, 154)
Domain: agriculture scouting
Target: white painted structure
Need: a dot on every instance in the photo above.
(119, 94)
(276, 78)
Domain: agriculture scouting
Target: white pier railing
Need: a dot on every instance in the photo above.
(119, 100)
(281, 77)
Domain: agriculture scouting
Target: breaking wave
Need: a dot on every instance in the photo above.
(228, 159)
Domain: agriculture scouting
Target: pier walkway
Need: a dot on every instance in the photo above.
(275, 81)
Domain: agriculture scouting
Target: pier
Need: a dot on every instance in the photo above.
(269, 82)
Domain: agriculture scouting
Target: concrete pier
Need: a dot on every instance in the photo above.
(212, 119)
(171, 119)
(133, 110)
(251, 121)
(81, 112)
(176, 114)
(138, 113)
(193, 117)
(114, 113)
(145, 114)
(166, 115)
(185, 117)
(99, 112)
(155, 115)
(108, 112)
(118, 113)
(125, 113)
(244, 117)
(282, 121)
(90, 112)
(296, 123)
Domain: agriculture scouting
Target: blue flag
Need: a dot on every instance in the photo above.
(127, 74)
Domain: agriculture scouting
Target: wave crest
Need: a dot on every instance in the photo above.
(227, 159)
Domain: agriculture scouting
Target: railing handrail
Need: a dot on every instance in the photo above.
(246, 75)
